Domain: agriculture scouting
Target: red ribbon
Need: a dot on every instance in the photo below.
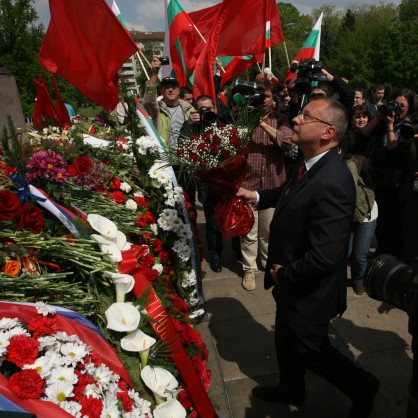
(166, 331)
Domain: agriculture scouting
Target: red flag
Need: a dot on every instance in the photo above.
(232, 31)
(60, 106)
(87, 45)
(45, 112)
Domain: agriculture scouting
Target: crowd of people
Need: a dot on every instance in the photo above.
(329, 172)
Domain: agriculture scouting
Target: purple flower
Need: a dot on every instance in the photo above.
(48, 164)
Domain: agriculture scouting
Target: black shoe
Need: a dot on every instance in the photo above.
(279, 394)
(362, 406)
(359, 289)
(215, 265)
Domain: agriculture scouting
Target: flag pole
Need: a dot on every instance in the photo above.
(142, 65)
(145, 59)
(287, 55)
(270, 57)
(204, 40)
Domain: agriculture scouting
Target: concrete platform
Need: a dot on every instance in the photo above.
(238, 329)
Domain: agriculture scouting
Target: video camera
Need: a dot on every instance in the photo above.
(390, 107)
(390, 280)
(309, 70)
(164, 60)
(247, 93)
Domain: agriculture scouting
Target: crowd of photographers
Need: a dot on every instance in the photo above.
(380, 147)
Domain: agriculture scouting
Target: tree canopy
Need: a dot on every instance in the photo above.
(368, 44)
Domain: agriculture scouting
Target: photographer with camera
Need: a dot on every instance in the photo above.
(301, 88)
(265, 169)
(169, 113)
(388, 166)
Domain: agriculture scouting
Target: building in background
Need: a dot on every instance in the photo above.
(149, 43)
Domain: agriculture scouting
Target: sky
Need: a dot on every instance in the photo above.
(148, 15)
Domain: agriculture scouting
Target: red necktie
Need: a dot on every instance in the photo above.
(299, 174)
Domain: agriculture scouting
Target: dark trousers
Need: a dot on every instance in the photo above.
(214, 239)
(300, 348)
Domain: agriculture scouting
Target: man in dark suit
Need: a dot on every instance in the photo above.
(307, 261)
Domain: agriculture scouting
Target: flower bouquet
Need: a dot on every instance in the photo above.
(55, 248)
(218, 159)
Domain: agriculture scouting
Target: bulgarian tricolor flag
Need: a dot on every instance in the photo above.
(116, 11)
(310, 48)
(268, 35)
(179, 33)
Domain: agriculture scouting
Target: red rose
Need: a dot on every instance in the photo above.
(221, 125)
(234, 141)
(180, 151)
(30, 218)
(201, 147)
(118, 197)
(22, 350)
(81, 166)
(91, 407)
(195, 138)
(226, 153)
(234, 132)
(193, 156)
(27, 384)
(190, 336)
(203, 164)
(42, 325)
(216, 140)
(9, 205)
(214, 149)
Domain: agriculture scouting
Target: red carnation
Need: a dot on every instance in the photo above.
(9, 205)
(149, 217)
(141, 201)
(126, 401)
(163, 256)
(157, 245)
(183, 398)
(42, 325)
(30, 218)
(26, 384)
(179, 303)
(141, 221)
(115, 184)
(150, 274)
(83, 381)
(189, 335)
(22, 350)
(118, 197)
(148, 260)
(91, 407)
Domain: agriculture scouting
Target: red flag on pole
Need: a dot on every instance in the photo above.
(87, 45)
(236, 32)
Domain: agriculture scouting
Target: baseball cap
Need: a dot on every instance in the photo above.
(169, 80)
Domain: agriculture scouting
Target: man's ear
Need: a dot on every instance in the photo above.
(329, 133)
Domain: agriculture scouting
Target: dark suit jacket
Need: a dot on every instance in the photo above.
(309, 236)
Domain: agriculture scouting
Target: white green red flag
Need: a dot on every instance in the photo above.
(268, 35)
(116, 11)
(178, 36)
(311, 47)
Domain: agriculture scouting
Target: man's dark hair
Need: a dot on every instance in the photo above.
(204, 97)
(185, 90)
(362, 91)
(265, 83)
(378, 86)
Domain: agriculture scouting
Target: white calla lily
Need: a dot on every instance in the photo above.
(120, 240)
(124, 283)
(162, 383)
(122, 317)
(170, 409)
(108, 248)
(139, 342)
(102, 225)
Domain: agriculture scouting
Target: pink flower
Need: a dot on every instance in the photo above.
(48, 164)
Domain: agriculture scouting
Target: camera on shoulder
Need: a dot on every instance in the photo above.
(247, 93)
(164, 60)
(309, 70)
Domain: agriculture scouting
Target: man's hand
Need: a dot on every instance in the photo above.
(194, 117)
(273, 271)
(248, 195)
(155, 65)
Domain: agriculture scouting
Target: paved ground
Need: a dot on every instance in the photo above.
(238, 330)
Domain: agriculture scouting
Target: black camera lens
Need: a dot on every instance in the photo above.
(388, 279)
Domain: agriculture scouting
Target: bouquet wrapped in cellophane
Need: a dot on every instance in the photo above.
(218, 159)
